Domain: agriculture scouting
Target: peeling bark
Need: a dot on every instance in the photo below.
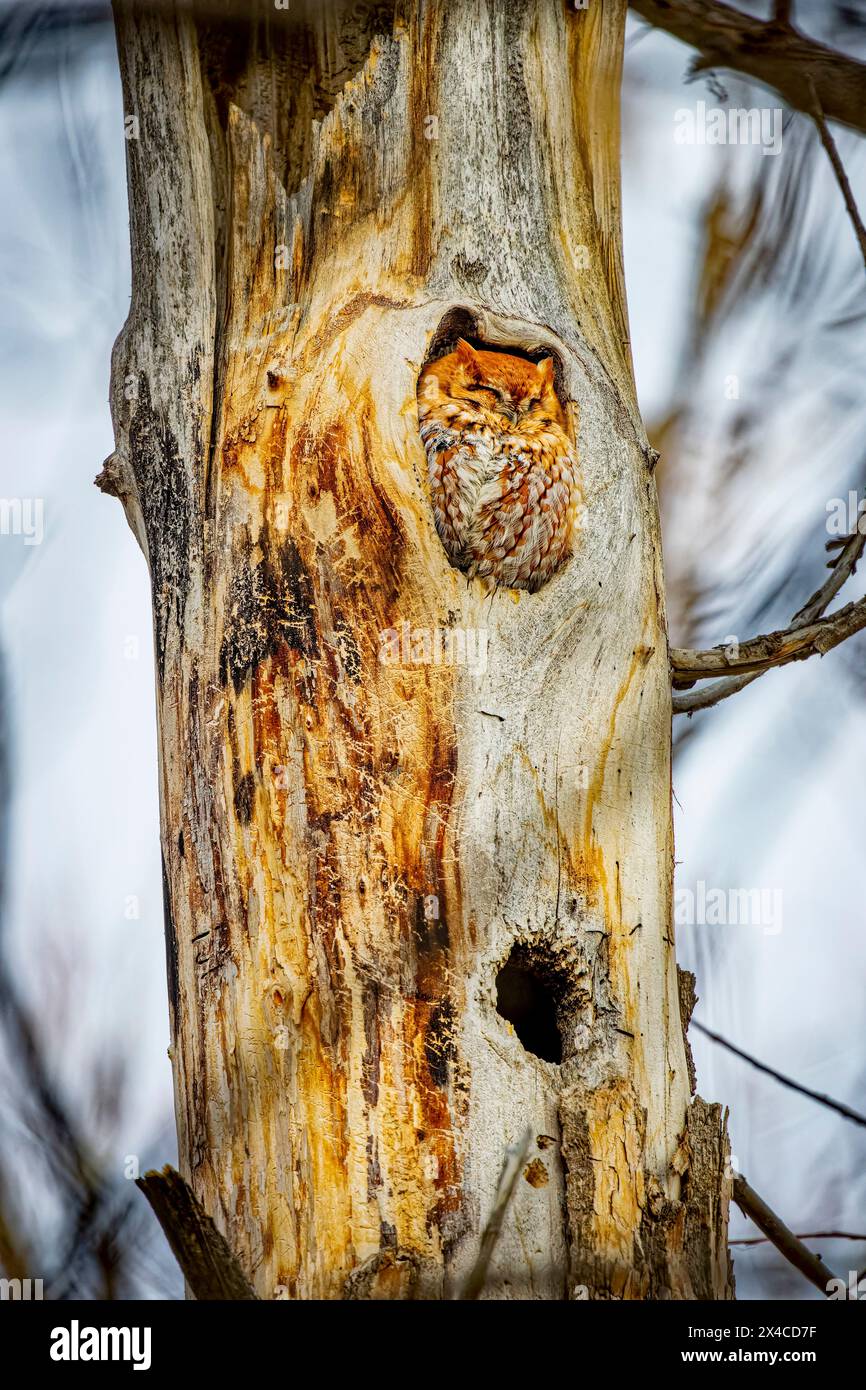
(355, 847)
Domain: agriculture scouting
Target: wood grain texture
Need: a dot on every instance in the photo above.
(211, 1271)
(353, 846)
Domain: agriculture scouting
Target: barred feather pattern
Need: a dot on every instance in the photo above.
(503, 474)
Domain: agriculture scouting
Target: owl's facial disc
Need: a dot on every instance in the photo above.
(505, 390)
(507, 406)
(492, 399)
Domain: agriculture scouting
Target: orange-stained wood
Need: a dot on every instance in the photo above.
(382, 780)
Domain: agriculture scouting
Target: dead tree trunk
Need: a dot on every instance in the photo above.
(381, 782)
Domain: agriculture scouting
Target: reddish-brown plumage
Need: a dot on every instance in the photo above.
(503, 472)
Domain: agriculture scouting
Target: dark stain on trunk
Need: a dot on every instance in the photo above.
(439, 1042)
(167, 508)
(245, 793)
(431, 929)
(374, 1171)
(370, 1064)
(270, 606)
(170, 951)
(347, 648)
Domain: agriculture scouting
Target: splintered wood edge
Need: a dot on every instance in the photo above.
(207, 1263)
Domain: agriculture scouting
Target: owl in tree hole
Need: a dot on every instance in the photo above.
(503, 471)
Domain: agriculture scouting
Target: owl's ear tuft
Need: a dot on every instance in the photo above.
(467, 356)
(545, 371)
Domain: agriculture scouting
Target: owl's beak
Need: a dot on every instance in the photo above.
(510, 412)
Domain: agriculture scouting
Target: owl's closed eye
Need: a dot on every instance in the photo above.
(503, 471)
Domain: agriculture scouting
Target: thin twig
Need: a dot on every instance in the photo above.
(831, 1104)
(515, 1157)
(209, 1266)
(789, 1245)
(838, 169)
(842, 567)
(712, 694)
(805, 1235)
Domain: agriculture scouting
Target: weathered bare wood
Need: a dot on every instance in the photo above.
(354, 847)
(772, 649)
(208, 1265)
(688, 999)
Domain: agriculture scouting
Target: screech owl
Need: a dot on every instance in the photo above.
(503, 472)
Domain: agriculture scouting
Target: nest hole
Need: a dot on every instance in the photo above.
(528, 995)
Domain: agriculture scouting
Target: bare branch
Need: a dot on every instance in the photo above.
(774, 53)
(805, 1235)
(515, 1156)
(711, 694)
(202, 1252)
(761, 654)
(842, 567)
(831, 1104)
(789, 1245)
(838, 169)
